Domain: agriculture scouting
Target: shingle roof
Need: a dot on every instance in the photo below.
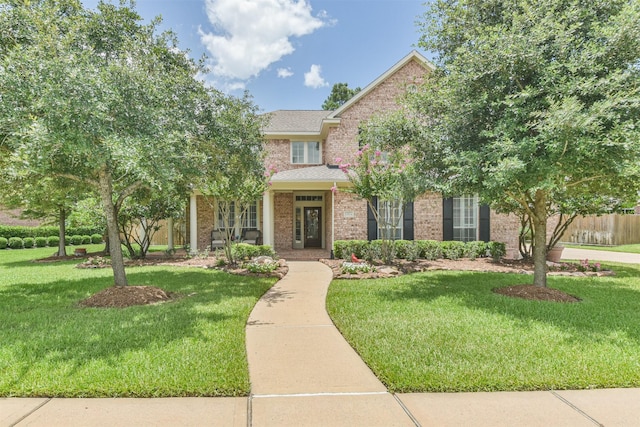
(321, 173)
(294, 121)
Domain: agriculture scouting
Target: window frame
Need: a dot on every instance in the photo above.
(305, 153)
(397, 208)
(469, 207)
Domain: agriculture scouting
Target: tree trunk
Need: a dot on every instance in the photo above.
(117, 260)
(539, 223)
(62, 219)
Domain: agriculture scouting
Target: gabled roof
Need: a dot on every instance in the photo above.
(296, 122)
(321, 173)
(412, 56)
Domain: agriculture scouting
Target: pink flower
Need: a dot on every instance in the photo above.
(338, 160)
(378, 153)
(334, 189)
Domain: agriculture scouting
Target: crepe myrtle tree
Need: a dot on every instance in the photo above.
(534, 104)
(99, 99)
(383, 173)
(233, 174)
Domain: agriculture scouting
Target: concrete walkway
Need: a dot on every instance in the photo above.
(303, 373)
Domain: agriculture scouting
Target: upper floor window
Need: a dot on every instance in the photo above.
(305, 152)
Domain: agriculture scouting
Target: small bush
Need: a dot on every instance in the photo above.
(67, 240)
(374, 250)
(356, 267)
(4, 242)
(41, 242)
(452, 249)
(15, 243)
(475, 249)
(265, 267)
(344, 248)
(76, 239)
(28, 242)
(86, 239)
(430, 249)
(53, 241)
(242, 251)
(96, 238)
(497, 250)
(407, 249)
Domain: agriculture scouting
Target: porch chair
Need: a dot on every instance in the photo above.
(252, 237)
(217, 239)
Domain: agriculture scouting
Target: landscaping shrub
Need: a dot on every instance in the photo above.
(53, 241)
(76, 239)
(374, 250)
(429, 249)
(67, 240)
(475, 249)
(28, 242)
(86, 239)
(344, 248)
(8, 231)
(41, 242)
(407, 249)
(96, 238)
(15, 243)
(4, 242)
(497, 250)
(452, 249)
(242, 251)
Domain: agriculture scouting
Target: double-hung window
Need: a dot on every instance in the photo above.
(305, 152)
(390, 219)
(234, 211)
(465, 218)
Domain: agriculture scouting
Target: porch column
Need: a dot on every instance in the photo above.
(170, 233)
(267, 219)
(193, 223)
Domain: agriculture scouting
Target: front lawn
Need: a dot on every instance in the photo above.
(633, 249)
(447, 331)
(193, 346)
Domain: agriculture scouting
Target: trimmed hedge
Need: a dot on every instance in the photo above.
(418, 249)
(8, 231)
(241, 251)
(53, 241)
(15, 242)
(41, 242)
(28, 242)
(96, 238)
(76, 240)
(4, 242)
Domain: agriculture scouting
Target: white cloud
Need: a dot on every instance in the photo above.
(250, 35)
(283, 73)
(312, 78)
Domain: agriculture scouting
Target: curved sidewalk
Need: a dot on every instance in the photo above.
(596, 255)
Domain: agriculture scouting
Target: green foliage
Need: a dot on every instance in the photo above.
(76, 239)
(497, 250)
(475, 249)
(407, 249)
(535, 106)
(356, 267)
(4, 242)
(342, 249)
(67, 240)
(86, 239)
(430, 249)
(15, 243)
(53, 241)
(41, 242)
(261, 267)
(28, 242)
(452, 249)
(7, 231)
(242, 251)
(96, 238)
(340, 93)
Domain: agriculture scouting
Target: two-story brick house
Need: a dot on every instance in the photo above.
(299, 211)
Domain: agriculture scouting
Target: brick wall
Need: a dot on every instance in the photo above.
(350, 217)
(427, 214)
(283, 221)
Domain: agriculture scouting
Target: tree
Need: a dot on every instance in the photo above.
(535, 104)
(384, 174)
(234, 175)
(98, 98)
(340, 93)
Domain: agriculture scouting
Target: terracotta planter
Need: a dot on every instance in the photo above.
(555, 254)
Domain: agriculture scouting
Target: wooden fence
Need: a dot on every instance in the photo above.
(161, 237)
(611, 229)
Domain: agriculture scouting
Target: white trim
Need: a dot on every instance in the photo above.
(193, 223)
(267, 219)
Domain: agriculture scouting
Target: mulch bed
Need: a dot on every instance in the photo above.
(537, 293)
(126, 296)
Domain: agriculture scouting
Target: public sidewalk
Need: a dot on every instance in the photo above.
(303, 373)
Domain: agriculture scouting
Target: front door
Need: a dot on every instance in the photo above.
(312, 227)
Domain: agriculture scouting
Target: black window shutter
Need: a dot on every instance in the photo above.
(447, 219)
(485, 223)
(372, 225)
(407, 222)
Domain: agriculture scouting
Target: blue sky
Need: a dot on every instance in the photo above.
(289, 53)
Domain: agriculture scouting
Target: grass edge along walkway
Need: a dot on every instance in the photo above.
(193, 346)
(447, 331)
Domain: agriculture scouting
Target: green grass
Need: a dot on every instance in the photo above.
(194, 346)
(633, 249)
(447, 331)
